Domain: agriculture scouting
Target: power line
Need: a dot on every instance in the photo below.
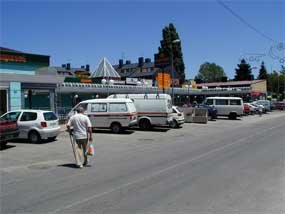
(244, 21)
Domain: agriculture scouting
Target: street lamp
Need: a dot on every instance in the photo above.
(106, 82)
(172, 72)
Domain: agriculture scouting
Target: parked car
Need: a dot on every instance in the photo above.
(8, 131)
(226, 106)
(177, 117)
(246, 109)
(35, 125)
(212, 111)
(279, 106)
(116, 114)
(259, 106)
(253, 109)
(265, 103)
(153, 109)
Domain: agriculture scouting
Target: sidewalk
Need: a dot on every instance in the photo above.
(62, 127)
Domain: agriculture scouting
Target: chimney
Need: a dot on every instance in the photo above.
(68, 66)
(87, 67)
(82, 67)
(140, 61)
(63, 65)
(128, 62)
(147, 60)
(121, 63)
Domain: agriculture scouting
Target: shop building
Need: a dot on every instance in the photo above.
(21, 86)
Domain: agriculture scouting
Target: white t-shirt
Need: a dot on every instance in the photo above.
(80, 124)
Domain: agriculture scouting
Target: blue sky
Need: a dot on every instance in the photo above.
(83, 32)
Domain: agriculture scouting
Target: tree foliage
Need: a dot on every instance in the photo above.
(276, 83)
(262, 72)
(210, 72)
(243, 72)
(169, 34)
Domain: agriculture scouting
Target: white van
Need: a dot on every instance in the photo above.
(226, 106)
(152, 109)
(116, 114)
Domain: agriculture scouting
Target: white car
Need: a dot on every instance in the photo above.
(35, 125)
(177, 117)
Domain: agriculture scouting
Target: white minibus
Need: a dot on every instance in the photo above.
(116, 114)
(226, 106)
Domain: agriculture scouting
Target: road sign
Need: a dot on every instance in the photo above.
(163, 80)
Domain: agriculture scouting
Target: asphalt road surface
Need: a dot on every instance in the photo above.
(223, 167)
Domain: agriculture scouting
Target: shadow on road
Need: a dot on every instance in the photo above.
(2, 147)
(26, 141)
(108, 131)
(68, 165)
(155, 129)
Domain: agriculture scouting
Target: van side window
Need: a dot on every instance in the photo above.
(210, 102)
(98, 107)
(235, 102)
(222, 102)
(118, 107)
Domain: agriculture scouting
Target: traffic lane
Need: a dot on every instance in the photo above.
(116, 166)
(246, 177)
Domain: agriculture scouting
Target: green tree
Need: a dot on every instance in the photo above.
(243, 72)
(262, 72)
(210, 72)
(169, 34)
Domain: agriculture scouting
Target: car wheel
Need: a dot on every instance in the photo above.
(34, 137)
(144, 124)
(116, 128)
(173, 124)
(233, 116)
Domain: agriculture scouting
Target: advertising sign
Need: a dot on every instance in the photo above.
(163, 80)
(131, 81)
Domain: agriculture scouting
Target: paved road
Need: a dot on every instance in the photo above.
(223, 167)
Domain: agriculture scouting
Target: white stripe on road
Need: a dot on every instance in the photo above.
(164, 170)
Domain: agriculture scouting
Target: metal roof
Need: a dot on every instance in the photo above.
(105, 69)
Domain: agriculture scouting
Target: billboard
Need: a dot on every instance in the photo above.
(163, 80)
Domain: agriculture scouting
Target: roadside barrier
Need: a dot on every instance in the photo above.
(200, 115)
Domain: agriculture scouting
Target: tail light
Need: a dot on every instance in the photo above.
(43, 124)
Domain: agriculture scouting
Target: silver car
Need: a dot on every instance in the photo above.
(35, 125)
(177, 118)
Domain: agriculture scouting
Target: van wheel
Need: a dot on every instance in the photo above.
(3, 144)
(116, 128)
(144, 124)
(173, 124)
(34, 137)
(233, 116)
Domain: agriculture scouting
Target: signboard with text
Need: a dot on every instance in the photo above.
(163, 80)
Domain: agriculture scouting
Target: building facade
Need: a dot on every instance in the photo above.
(20, 86)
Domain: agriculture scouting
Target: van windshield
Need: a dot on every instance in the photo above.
(132, 107)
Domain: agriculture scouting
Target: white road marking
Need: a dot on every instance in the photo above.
(162, 171)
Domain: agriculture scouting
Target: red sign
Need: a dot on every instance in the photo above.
(12, 58)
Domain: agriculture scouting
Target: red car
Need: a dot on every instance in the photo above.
(246, 109)
(8, 131)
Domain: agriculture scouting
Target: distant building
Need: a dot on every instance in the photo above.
(258, 88)
(143, 69)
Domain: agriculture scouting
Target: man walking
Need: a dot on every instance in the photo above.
(81, 129)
